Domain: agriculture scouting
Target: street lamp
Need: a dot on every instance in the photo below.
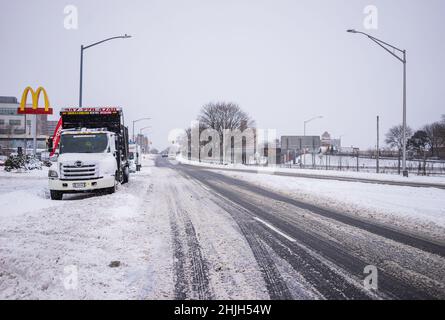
(82, 49)
(307, 121)
(387, 47)
(140, 131)
(142, 119)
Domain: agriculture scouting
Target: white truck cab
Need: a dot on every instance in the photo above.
(86, 162)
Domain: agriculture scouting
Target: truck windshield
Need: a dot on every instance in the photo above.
(83, 143)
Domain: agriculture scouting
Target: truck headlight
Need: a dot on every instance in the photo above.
(52, 174)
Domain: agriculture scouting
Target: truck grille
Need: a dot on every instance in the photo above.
(79, 171)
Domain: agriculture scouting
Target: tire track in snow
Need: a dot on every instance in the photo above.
(329, 267)
(324, 280)
(276, 286)
(191, 270)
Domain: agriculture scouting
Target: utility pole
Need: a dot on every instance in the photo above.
(405, 171)
(24, 140)
(304, 132)
(378, 148)
(134, 122)
(82, 49)
(392, 50)
(358, 155)
(34, 150)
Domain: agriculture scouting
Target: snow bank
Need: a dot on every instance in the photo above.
(85, 247)
(329, 173)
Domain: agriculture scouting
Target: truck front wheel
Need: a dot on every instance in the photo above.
(56, 195)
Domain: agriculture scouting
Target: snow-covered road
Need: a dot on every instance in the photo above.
(181, 232)
(169, 242)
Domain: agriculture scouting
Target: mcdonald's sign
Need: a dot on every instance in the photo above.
(35, 95)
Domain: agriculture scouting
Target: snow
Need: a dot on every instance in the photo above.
(329, 173)
(65, 249)
(26, 188)
(351, 162)
(421, 210)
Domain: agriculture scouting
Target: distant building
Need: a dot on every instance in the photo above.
(294, 146)
(50, 127)
(143, 142)
(301, 143)
(327, 141)
(14, 130)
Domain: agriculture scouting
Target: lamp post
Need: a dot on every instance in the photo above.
(402, 59)
(82, 49)
(146, 128)
(138, 120)
(142, 140)
(305, 123)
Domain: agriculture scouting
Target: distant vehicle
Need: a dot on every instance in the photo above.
(93, 152)
(134, 157)
(164, 155)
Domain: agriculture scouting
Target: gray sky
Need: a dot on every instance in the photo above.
(282, 61)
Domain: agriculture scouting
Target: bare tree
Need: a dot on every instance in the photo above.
(223, 116)
(394, 139)
(420, 143)
(436, 135)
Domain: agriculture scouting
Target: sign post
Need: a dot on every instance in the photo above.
(35, 110)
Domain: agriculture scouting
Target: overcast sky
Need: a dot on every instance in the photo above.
(281, 61)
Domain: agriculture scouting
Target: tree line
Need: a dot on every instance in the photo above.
(427, 141)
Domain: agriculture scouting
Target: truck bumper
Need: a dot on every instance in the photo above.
(81, 185)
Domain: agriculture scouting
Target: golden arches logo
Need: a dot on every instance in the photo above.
(35, 95)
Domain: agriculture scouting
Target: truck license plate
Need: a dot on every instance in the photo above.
(79, 185)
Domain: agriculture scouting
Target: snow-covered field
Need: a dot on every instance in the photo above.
(330, 173)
